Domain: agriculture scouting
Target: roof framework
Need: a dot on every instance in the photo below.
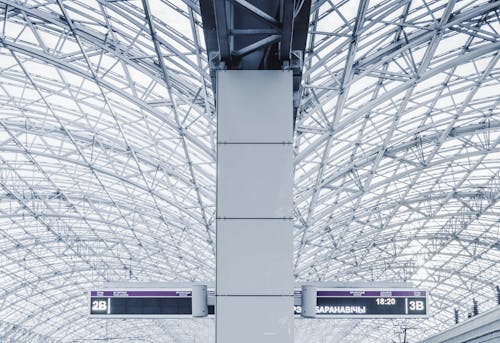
(107, 159)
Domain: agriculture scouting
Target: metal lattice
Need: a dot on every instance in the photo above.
(107, 160)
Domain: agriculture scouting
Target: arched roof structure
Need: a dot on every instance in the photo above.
(107, 162)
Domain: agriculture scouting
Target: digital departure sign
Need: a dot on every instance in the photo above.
(330, 303)
(142, 304)
(369, 303)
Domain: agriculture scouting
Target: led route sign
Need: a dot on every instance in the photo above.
(142, 304)
(345, 303)
(327, 303)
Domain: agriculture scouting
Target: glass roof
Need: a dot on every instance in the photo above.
(107, 164)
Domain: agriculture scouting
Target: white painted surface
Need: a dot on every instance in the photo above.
(256, 107)
(251, 319)
(254, 256)
(254, 187)
(254, 181)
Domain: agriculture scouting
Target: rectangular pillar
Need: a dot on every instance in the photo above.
(254, 285)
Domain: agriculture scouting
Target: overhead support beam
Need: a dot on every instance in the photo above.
(286, 37)
(219, 8)
(260, 14)
(224, 21)
(257, 45)
(256, 35)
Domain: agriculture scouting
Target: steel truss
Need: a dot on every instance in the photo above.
(107, 159)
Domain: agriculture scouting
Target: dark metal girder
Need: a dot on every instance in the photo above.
(259, 14)
(256, 35)
(222, 30)
(233, 25)
(286, 36)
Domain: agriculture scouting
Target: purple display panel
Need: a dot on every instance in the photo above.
(371, 293)
(368, 303)
(140, 293)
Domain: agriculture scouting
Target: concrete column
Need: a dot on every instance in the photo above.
(254, 207)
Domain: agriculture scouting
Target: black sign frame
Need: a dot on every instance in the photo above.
(340, 303)
(140, 303)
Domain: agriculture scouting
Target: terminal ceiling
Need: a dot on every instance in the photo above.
(107, 161)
